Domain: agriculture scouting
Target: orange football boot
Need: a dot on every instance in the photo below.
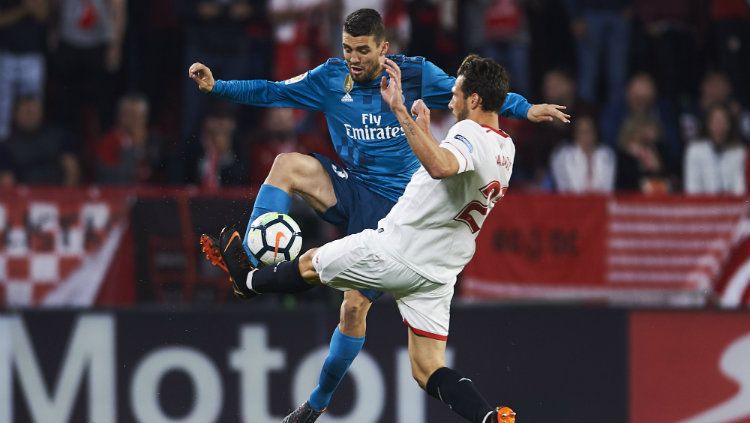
(506, 415)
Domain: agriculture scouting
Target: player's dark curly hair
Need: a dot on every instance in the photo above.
(486, 78)
(365, 22)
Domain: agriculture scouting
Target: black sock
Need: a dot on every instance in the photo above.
(281, 278)
(459, 394)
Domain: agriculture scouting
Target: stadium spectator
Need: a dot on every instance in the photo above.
(218, 164)
(584, 165)
(715, 89)
(640, 158)
(23, 42)
(731, 28)
(507, 39)
(277, 135)
(642, 104)
(602, 31)
(231, 36)
(299, 35)
(716, 164)
(434, 31)
(88, 52)
(37, 153)
(668, 44)
(130, 154)
(535, 149)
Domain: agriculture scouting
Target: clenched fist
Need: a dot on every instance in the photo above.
(202, 76)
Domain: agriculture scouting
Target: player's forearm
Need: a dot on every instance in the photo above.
(251, 92)
(262, 93)
(435, 160)
(515, 106)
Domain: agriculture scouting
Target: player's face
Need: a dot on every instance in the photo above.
(458, 100)
(364, 56)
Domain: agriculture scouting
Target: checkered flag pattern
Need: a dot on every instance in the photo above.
(45, 239)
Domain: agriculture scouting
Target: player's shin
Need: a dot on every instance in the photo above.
(342, 351)
(460, 394)
(284, 277)
(269, 199)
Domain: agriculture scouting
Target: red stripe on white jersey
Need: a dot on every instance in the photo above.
(425, 333)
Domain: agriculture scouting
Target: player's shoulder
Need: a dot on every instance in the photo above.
(467, 126)
(403, 60)
(411, 69)
(470, 129)
(335, 62)
(335, 65)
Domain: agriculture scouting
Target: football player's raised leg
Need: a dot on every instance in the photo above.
(291, 173)
(427, 357)
(305, 175)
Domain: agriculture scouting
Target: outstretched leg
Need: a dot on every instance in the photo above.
(288, 277)
(427, 357)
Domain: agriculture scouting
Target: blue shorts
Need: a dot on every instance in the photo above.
(357, 208)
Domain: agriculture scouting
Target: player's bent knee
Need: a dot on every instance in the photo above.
(354, 309)
(286, 166)
(355, 305)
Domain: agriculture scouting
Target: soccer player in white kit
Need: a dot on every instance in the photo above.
(427, 238)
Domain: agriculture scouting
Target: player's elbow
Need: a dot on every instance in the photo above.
(438, 174)
(442, 165)
(440, 171)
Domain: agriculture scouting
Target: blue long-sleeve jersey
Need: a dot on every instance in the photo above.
(364, 131)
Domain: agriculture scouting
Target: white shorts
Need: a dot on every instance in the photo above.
(356, 262)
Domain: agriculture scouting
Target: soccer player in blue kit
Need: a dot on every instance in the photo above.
(368, 139)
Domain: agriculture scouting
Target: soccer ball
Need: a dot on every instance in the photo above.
(273, 238)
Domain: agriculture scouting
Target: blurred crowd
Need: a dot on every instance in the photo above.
(96, 91)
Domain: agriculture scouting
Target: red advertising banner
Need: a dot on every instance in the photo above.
(530, 243)
(58, 245)
(689, 368)
(666, 250)
(82, 247)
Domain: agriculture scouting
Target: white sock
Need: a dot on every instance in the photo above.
(249, 281)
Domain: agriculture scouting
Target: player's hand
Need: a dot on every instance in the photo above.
(390, 89)
(422, 113)
(547, 113)
(202, 76)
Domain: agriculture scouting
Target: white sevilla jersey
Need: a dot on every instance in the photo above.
(433, 226)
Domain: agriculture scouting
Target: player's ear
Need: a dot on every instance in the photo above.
(384, 48)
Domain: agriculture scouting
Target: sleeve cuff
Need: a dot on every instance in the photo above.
(463, 159)
(219, 87)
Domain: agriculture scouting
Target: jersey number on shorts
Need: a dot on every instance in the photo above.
(493, 192)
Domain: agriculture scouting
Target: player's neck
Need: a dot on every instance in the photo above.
(485, 118)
